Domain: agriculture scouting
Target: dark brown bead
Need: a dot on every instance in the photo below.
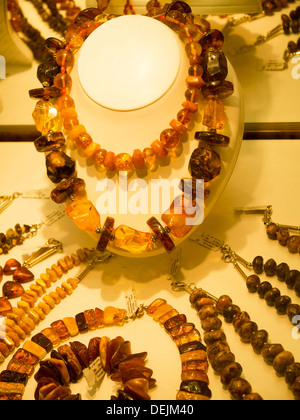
(282, 271)
(258, 265)
(222, 360)
(205, 164)
(23, 275)
(272, 230)
(87, 15)
(42, 341)
(180, 6)
(47, 71)
(212, 40)
(253, 396)
(263, 288)
(270, 267)
(258, 340)
(291, 278)
(293, 244)
(230, 311)
(282, 361)
(215, 67)
(47, 93)
(174, 322)
(162, 235)
(218, 90)
(252, 283)
(281, 304)
(239, 319)
(213, 139)
(59, 166)
(106, 234)
(297, 287)
(239, 388)
(191, 346)
(197, 294)
(292, 373)
(271, 296)
(213, 336)
(211, 324)
(11, 266)
(270, 351)
(53, 141)
(292, 311)
(1, 273)
(231, 371)
(71, 187)
(296, 388)
(207, 312)
(246, 331)
(283, 236)
(54, 44)
(223, 301)
(12, 290)
(216, 348)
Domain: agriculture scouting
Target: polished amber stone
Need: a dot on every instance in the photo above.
(46, 93)
(132, 240)
(214, 114)
(218, 90)
(35, 349)
(212, 138)
(169, 138)
(106, 234)
(150, 158)
(205, 164)
(177, 216)
(159, 149)
(5, 306)
(47, 71)
(59, 166)
(81, 323)
(84, 214)
(71, 187)
(99, 157)
(212, 40)
(81, 352)
(162, 235)
(179, 6)
(109, 161)
(174, 322)
(14, 377)
(154, 306)
(94, 349)
(138, 159)
(10, 266)
(42, 341)
(161, 311)
(90, 319)
(99, 316)
(65, 58)
(114, 315)
(52, 141)
(61, 330)
(52, 335)
(46, 117)
(215, 66)
(23, 275)
(71, 326)
(123, 162)
(174, 19)
(12, 289)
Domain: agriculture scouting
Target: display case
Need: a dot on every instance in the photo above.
(131, 303)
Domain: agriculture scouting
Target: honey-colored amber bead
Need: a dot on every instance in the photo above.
(132, 240)
(193, 49)
(76, 132)
(199, 355)
(189, 396)
(49, 301)
(123, 162)
(159, 149)
(195, 82)
(12, 388)
(214, 114)
(67, 288)
(99, 157)
(150, 158)
(90, 319)
(26, 357)
(35, 349)
(185, 115)
(84, 215)
(65, 101)
(109, 161)
(193, 335)
(65, 58)
(71, 326)
(161, 311)
(58, 271)
(44, 307)
(154, 306)
(188, 31)
(169, 138)
(5, 306)
(113, 315)
(61, 293)
(103, 347)
(70, 123)
(163, 319)
(12, 290)
(193, 94)
(52, 335)
(46, 117)
(181, 217)
(138, 159)
(91, 149)
(197, 375)
(61, 330)
(178, 127)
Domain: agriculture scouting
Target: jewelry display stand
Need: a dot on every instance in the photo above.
(145, 118)
(17, 55)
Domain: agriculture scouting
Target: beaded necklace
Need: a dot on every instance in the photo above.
(205, 163)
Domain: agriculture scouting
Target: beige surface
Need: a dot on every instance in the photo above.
(267, 173)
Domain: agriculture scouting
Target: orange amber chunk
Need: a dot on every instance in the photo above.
(76, 132)
(138, 159)
(195, 82)
(182, 216)
(154, 305)
(46, 117)
(159, 149)
(178, 126)
(83, 140)
(123, 162)
(109, 161)
(169, 138)
(91, 150)
(214, 114)
(132, 240)
(150, 158)
(114, 315)
(84, 215)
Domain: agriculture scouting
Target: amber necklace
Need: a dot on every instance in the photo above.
(205, 162)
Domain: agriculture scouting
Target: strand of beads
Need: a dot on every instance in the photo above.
(221, 358)
(23, 318)
(194, 385)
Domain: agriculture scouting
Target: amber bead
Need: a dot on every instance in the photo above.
(71, 187)
(231, 371)
(26, 357)
(65, 58)
(132, 240)
(123, 162)
(239, 388)
(212, 40)
(271, 296)
(292, 373)
(221, 360)
(20, 366)
(159, 149)
(218, 90)
(109, 161)
(150, 158)
(188, 32)
(196, 387)
(214, 66)
(14, 377)
(272, 230)
(138, 159)
(169, 138)
(54, 44)
(282, 272)
(81, 323)
(23, 275)
(106, 234)
(230, 311)
(43, 341)
(46, 93)
(270, 268)
(270, 351)
(162, 235)
(64, 102)
(63, 81)
(5, 306)
(281, 304)
(52, 141)
(212, 138)
(81, 352)
(59, 166)
(205, 164)
(46, 117)
(252, 283)
(282, 361)
(192, 95)
(185, 115)
(247, 329)
(214, 114)
(61, 330)
(47, 71)
(263, 288)
(154, 305)
(223, 302)
(293, 244)
(10, 266)
(179, 216)
(174, 19)
(84, 214)
(52, 335)
(12, 289)
(258, 265)
(87, 14)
